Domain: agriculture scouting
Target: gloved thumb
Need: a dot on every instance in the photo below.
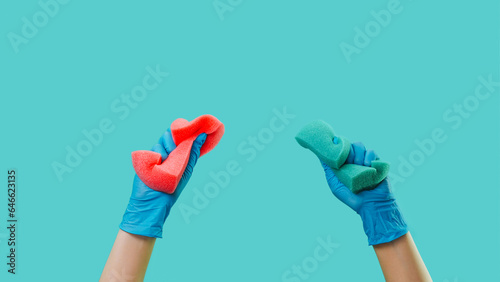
(165, 145)
(195, 153)
(341, 191)
(157, 148)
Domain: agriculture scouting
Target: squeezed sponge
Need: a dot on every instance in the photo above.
(318, 137)
(165, 176)
(184, 130)
(359, 178)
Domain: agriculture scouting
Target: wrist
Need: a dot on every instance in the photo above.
(141, 218)
(383, 222)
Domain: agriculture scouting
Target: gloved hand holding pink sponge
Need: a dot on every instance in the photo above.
(318, 136)
(164, 176)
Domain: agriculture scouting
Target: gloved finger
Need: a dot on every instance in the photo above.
(386, 184)
(195, 152)
(369, 157)
(359, 153)
(350, 157)
(381, 193)
(340, 191)
(159, 149)
(167, 141)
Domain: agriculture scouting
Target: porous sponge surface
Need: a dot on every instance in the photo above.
(183, 130)
(164, 176)
(359, 178)
(317, 136)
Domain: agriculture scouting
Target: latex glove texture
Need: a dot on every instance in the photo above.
(381, 216)
(148, 209)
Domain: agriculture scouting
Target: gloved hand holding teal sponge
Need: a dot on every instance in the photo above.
(319, 137)
(357, 178)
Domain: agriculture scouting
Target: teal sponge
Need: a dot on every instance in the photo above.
(359, 178)
(318, 137)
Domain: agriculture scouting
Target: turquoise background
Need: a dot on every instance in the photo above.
(263, 55)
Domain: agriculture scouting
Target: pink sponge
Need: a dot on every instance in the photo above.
(165, 176)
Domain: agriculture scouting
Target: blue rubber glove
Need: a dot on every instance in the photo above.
(382, 219)
(148, 208)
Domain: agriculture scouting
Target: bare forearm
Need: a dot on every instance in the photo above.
(129, 258)
(401, 261)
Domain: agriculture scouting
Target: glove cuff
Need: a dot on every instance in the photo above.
(383, 222)
(142, 220)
